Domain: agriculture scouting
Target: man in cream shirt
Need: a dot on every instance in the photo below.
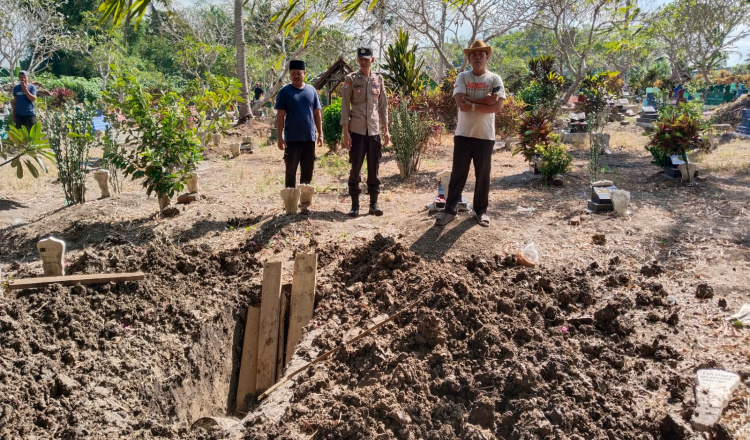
(479, 94)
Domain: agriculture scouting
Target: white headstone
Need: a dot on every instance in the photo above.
(712, 393)
(620, 200)
(306, 194)
(52, 251)
(444, 177)
(102, 178)
(192, 183)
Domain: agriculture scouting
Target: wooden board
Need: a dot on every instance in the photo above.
(280, 353)
(302, 300)
(268, 332)
(246, 382)
(69, 280)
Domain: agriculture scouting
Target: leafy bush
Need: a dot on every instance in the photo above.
(408, 132)
(213, 104)
(660, 158)
(555, 160)
(692, 109)
(403, 71)
(60, 96)
(445, 108)
(676, 136)
(89, 90)
(534, 129)
(506, 120)
(70, 138)
(332, 130)
(545, 85)
(167, 148)
(26, 147)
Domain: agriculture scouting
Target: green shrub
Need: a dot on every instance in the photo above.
(660, 158)
(87, 90)
(332, 130)
(534, 129)
(70, 138)
(167, 149)
(555, 160)
(408, 132)
(402, 70)
(506, 120)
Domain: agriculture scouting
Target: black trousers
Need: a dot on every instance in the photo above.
(302, 154)
(27, 121)
(369, 147)
(466, 150)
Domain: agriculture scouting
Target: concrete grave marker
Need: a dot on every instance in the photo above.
(52, 251)
(712, 393)
(102, 178)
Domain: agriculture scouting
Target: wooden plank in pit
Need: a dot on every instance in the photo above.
(280, 354)
(249, 360)
(268, 332)
(302, 300)
(69, 280)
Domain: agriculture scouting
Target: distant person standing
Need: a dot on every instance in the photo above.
(364, 109)
(257, 92)
(24, 95)
(479, 94)
(299, 117)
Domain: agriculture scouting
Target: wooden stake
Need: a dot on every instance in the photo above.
(333, 350)
(280, 353)
(268, 333)
(302, 300)
(29, 283)
(246, 383)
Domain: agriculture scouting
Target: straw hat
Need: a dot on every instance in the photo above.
(478, 45)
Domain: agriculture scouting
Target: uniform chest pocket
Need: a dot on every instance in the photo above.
(376, 89)
(359, 94)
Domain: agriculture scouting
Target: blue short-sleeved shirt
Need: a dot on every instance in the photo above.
(24, 107)
(299, 123)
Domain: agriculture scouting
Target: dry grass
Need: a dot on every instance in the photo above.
(733, 157)
(12, 186)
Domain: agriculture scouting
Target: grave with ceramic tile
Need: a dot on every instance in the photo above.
(744, 128)
(601, 200)
(648, 116)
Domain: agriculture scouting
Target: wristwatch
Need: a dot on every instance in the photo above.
(473, 107)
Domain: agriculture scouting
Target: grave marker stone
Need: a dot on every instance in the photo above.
(744, 128)
(52, 251)
(102, 178)
(712, 393)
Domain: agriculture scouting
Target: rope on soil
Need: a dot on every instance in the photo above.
(333, 350)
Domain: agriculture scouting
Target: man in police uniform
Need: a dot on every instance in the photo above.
(364, 109)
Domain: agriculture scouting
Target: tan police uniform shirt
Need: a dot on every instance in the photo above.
(364, 104)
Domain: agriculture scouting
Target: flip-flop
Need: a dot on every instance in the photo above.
(444, 218)
(483, 220)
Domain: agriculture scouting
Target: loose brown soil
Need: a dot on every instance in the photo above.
(601, 340)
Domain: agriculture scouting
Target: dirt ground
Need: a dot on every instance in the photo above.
(601, 340)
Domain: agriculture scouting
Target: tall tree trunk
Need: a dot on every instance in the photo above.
(239, 41)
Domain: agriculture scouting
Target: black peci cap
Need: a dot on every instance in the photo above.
(296, 65)
(363, 52)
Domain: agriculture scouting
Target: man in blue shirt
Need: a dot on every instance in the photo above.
(24, 95)
(298, 116)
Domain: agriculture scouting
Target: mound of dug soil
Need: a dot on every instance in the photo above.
(492, 351)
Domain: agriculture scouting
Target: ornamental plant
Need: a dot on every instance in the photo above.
(506, 120)
(545, 85)
(212, 105)
(534, 129)
(403, 70)
(677, 136)
(332, 130)
(409, 131)
(71, 139)
(555, 160)
(164, 146)
(26, 147)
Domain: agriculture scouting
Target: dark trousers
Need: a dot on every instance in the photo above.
(465, 150)
(369, 147)
(302, 154)
(27, 121)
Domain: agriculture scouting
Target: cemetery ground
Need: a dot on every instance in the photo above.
(602, 339)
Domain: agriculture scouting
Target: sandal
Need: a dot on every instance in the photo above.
(444, 218)
(483, 220)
